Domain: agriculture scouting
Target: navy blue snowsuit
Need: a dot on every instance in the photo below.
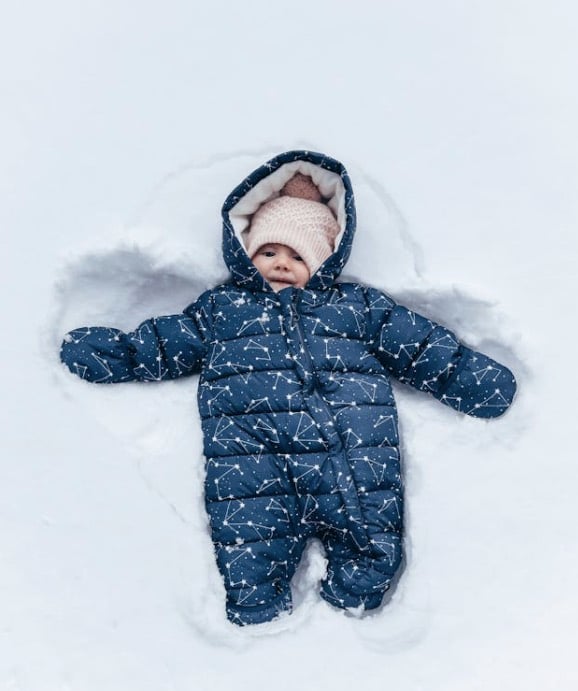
(298, 416)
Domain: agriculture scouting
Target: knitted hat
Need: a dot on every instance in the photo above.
(298, 219)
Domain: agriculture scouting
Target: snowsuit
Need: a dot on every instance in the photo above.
(298, 416)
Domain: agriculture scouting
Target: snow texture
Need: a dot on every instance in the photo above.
(120, 140)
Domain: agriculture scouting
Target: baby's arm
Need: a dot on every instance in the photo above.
(429, 357)
(160, 348)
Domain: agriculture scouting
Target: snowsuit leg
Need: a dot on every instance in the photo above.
(362, 576)
(258, 537)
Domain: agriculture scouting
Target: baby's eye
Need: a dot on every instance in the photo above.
(268, 253)
(298, 258)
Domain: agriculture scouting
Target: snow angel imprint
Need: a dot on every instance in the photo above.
(298, 417)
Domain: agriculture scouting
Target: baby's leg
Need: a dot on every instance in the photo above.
(257, 549)
(358, 576)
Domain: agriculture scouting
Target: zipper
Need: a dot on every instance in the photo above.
(319, 408)
(303, 348)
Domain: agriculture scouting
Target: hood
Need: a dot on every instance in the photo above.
(262, 185)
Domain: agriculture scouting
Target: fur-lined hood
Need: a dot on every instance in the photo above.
(264, 184)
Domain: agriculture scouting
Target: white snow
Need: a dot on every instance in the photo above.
(123, 127)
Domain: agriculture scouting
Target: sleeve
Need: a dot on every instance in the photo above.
(160, 348)
(429, 357)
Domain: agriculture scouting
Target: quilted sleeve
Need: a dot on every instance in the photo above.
(429, 357)
(160, 348)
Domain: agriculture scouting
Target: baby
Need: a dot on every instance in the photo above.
(298, 416)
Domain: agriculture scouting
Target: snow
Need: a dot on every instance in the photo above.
(123, 128)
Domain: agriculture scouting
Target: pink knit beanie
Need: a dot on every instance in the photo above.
(299, 219)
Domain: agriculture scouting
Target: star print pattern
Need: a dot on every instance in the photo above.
(298, 416)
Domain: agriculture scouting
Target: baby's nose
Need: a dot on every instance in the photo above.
(282, 262)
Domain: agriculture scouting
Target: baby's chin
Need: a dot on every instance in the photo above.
(279, 285)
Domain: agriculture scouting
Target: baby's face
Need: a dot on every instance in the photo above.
(281, 266)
